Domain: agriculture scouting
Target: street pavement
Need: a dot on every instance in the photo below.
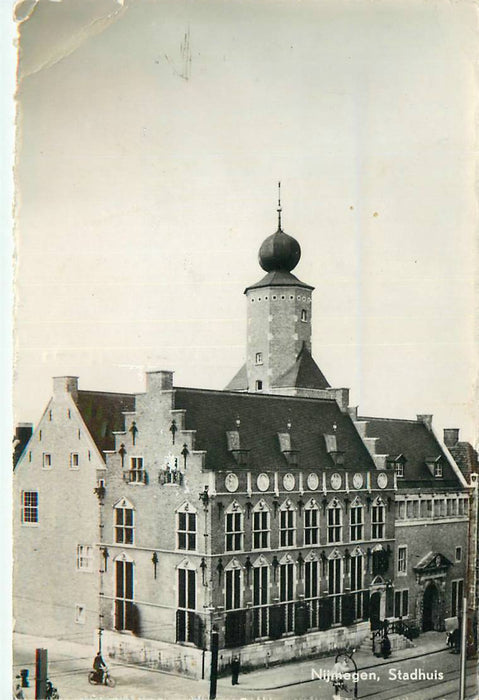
(69, 664)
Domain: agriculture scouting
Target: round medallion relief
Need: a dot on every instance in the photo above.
(336, 481)
(288, 482)
(262, 482)
(358, 481)
(382, 480)
(231, 482)
(312, 481)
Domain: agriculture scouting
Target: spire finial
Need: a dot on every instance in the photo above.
(279, 206)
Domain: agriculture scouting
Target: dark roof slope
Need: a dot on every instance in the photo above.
(103, 413)
(239, 381)
(263, 416)
(416, 443)
(305, 373)
(465, 457)
(279, 278)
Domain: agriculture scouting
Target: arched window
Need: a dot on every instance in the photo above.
(335, 583)
(287, 525)
(335, 522)
(233, 585)
(261, 582)
(312, 588)
(287, 592)
(124, 583)
(356, 521)
(186, 527)
(377, 520)
(357, 575)
(311, 523)
(186, 597)
(233, 528)
(124, 516)
(261, 525)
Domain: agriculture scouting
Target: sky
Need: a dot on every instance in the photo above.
(150, 139)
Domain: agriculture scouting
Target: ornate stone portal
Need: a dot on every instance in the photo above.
(431, 602)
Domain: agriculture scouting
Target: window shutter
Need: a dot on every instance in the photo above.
(276, 621)
(301, 618)
(325, 613)
(347, 616)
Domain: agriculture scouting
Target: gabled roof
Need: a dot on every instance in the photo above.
(103, 413)
(418, 444)
(262, 417)
(279, 278)
(239, 381)
(305, 373)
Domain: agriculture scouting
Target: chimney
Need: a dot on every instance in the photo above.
(425, 418)
(23, 433)
(62, 385)
(159, 380)
(451, 437)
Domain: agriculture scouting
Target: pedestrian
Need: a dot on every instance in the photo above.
(17, 688)
(386, 647)
(235, 669)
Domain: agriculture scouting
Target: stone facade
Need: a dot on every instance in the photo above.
(279, 323)
(55, 513)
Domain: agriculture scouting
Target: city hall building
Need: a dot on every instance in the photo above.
(270, 511)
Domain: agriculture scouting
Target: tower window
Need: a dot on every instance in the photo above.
(259, 385)
(304, 315)
(259, 358)
(282, 296)
(274, 297)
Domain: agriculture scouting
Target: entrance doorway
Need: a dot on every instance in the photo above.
(375, 610)
(430, 608)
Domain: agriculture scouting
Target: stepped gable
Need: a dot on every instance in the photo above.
(103, 413)
(262, 417)
(304, 374)
(417, 444)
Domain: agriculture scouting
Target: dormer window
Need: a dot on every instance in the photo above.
(399, 469)
(259, 358)
(435, 466)
(304, 315)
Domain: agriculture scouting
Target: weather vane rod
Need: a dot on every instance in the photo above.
(279, 206)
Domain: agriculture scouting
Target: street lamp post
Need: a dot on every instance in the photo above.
(344, 663)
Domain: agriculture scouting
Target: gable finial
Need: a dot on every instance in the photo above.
(279, 206)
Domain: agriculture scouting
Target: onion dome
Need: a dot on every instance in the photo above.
(279, 252)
